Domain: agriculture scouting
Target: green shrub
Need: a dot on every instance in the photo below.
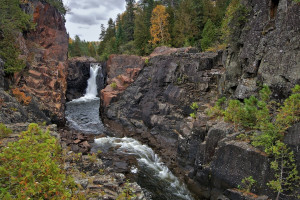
(218, 109)
(12, 21)
(195, 108)
(114, 85)
(4, 131)
(247, 184)
(30, 168)
(256, 114)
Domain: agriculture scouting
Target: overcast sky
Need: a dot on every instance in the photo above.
(86, 16)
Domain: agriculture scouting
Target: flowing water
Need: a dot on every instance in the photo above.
(83, 114)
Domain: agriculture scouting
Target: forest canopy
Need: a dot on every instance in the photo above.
(146, 24)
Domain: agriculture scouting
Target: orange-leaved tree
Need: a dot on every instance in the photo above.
(159, 26)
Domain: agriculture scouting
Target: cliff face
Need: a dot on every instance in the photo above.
(267, 51)
(46, 71)
(122, 70)
(155, 108)
(43, 81)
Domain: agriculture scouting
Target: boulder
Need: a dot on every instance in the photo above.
(235, 160)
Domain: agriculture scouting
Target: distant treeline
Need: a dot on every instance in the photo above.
(146, 24)
(79, 48)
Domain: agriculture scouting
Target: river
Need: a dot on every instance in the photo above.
(153, 175)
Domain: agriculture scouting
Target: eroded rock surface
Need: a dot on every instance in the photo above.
(122, 70)
(45, 50)
(267, 51)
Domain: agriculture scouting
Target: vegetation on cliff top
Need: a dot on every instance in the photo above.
(271, 124)
(147, 24)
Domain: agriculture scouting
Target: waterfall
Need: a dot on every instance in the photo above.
(153, 175)
(82, 114)
(91, 90)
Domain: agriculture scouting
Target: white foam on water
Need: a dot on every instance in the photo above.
(91, 90)
(146, 156)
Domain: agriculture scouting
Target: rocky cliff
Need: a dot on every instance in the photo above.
(44, 79)
(205, 153)
(267, 51)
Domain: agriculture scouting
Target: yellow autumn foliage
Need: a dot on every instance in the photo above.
(159, 26)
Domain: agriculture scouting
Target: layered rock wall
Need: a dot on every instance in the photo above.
(45, 49)
(43, 80)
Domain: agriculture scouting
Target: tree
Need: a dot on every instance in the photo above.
(142, 34)
(184, 30)
(209, 35)
(103, 32)
(159, 28)
(92, 50)
(129, 20)
(76, 47)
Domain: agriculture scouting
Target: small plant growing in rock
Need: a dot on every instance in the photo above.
(21, 96)
(147, 61)
(218, 109)
(195, 108)
(114, 85)
(92, 157)
(4, 131)
(247, 184)
(127, 193)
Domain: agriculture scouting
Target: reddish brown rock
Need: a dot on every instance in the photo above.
(122, 70)
(47, 60)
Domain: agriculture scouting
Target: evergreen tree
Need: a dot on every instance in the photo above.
(184, 30)
(76, 46)
(209, 35)
(129, 20)
(142, 34)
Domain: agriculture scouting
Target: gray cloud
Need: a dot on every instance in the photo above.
(83, 19)
(85, 16)
(89, 19)
(83, 27)
(88, 4)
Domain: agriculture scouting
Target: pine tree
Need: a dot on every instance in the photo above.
(159, 28)
(142, 34)
(209, 35)
(129, 20)
(184, 30)
(76, 46)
